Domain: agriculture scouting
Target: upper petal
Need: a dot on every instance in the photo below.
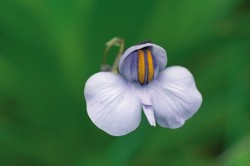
(140, 66)
(174, 96)
(111, 104)
(158, 52)
(161, 56)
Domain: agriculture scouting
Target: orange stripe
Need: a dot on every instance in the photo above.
(150, 66)
(141, 67)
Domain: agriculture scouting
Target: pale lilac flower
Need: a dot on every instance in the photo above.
(167, 96)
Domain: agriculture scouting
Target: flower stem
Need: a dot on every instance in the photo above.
(116, 41)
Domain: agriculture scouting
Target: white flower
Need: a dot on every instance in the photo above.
(168, 96)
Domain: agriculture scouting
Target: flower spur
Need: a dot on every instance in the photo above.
(168, 96)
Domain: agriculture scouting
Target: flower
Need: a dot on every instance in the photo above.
(168, 96)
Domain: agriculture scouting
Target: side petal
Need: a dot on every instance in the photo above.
(111, 104)
(174, 96)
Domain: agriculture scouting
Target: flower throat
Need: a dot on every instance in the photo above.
(145, 66)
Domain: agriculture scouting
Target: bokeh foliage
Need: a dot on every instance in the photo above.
(49, 48)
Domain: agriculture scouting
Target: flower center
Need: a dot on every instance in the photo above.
(145, 66)
(140, 65)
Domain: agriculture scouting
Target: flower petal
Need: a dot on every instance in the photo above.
(174, 96)
(111, 104)
(149, 113)
(130, 67)
(158, 52)
(161, 56)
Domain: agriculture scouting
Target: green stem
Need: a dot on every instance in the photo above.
(113, 42)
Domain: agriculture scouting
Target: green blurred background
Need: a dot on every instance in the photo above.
(49, 48)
